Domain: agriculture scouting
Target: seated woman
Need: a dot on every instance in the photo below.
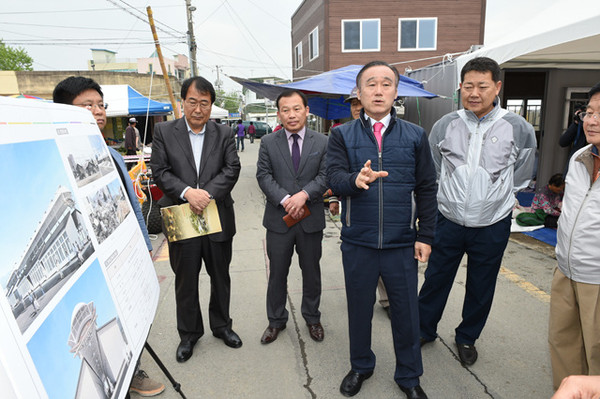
(549, 199)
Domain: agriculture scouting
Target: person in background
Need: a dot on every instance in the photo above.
(240, 133)
(252, 132)
(574, 326)
(483, 156)
(131, 137)
(382, 168)
(336, 123)
(355, 104)
(131, 140)
(549, 199)
(86, 93)
(278, 127)
(574, 136)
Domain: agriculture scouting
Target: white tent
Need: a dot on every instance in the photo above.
(565, 36)
(218, 112)
(123, 100)
(559, 46)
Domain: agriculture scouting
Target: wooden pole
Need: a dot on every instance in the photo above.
(162, 63)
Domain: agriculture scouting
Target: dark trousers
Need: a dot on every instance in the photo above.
(280, 248)
(484, 247)
(130, 164)
(186, 259)
(398, 270)
(238, 140)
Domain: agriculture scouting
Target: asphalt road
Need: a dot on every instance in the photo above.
(513, 352)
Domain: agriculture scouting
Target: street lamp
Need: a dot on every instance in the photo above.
(190, 36)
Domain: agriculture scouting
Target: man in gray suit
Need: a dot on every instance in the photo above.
(291, 173)
(194, 160)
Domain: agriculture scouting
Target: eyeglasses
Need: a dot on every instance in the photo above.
(589, 115)
(101, 106)
(194, 104)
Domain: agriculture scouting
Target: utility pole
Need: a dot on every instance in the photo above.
(189, 8)
(162, 62)
(218, 83)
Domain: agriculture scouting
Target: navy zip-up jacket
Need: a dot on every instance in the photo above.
(384, 215)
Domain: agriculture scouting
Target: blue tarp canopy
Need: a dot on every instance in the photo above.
(326, 92)
(123, 100)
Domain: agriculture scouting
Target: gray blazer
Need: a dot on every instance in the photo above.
(277, 178)
(173, 167)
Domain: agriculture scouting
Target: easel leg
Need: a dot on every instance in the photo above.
(176, 385)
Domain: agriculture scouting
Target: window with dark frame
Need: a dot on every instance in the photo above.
(298, 55)
(313, 44)
(417, 34)
(361, 35)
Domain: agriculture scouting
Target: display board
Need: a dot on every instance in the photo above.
(79, 287)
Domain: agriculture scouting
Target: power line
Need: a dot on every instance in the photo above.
(268, 13)
(80, 41)
(72, 10)
(254, 38)
(72, 27)
(143, 18)
(212, 13)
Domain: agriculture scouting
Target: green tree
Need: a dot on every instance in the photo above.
(14, 59)
(230, 101)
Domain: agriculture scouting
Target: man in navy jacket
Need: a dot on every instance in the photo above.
(382, 168)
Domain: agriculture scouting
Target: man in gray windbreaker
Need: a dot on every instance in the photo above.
(574, 330)
(483, 155)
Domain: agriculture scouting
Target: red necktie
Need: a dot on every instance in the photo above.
(377, 131)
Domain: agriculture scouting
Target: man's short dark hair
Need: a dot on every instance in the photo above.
(557, 180)
(67, 90)
(481, 64)
(594, 90)
(201, 84)
(289, 93)
(377, 63)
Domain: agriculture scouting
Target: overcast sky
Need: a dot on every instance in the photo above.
(246, 38)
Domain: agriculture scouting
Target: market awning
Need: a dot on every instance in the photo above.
(326, 91)
(123, 100)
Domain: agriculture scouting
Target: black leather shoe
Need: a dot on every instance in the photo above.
(467, 354)
(185, 350)
(424, 341)
(413, 392)
(271, 334)
(352, 382)
(316, 332)
(230, 338)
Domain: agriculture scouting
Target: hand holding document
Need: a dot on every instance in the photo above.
(290, 221)
(181, 223)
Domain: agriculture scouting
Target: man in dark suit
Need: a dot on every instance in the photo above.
(194, 160)
(291, 173)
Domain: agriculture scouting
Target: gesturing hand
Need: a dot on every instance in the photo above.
(368, 175)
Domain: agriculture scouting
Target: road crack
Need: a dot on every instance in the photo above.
(475, 376)
(303, 354)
